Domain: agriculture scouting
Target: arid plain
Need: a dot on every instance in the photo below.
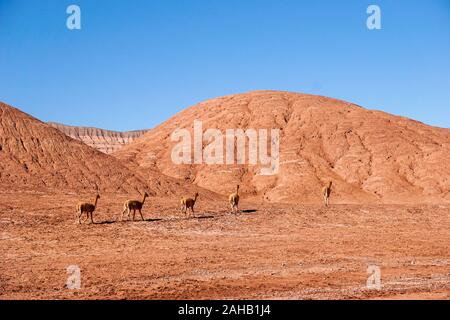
(390, 208)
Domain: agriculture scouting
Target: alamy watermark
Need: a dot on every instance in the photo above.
(374, 20)
(74, 277)
(374, 280)
(73, 22)
(227, 147)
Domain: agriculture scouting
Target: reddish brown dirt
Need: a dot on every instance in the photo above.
(274, 252)
(270, 251)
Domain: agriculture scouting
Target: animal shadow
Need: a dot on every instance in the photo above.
(118, 221)
(249, 211)
(105, 222)
(204, 217)
(152, 220)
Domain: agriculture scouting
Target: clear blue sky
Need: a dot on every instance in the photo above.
(136, 63)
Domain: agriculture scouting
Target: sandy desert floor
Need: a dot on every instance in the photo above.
(266, 252)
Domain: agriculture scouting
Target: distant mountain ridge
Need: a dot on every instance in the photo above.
(106, 141)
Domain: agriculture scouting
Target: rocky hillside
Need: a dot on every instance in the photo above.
(36, 157)
(370, 155)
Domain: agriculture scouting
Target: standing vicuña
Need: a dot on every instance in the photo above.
(234, 200)
(326, 193)
(88, 208)
(188, 203)
(134, 205)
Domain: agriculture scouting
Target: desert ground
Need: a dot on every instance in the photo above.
(267, 251)
(390, 207)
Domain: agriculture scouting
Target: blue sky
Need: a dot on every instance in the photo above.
(136, 63)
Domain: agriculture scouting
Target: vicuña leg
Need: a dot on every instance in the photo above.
(325, 199)
(79, 217)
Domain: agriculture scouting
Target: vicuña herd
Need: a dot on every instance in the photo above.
(186, 204)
